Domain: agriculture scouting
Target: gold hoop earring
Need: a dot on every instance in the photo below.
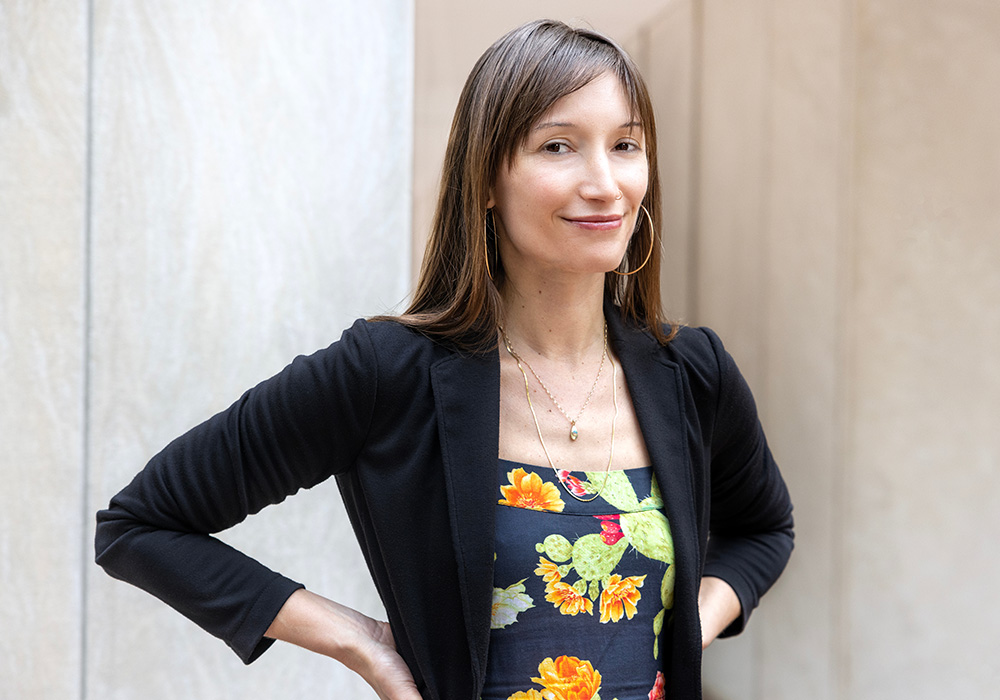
(486, 245)
(652, 242)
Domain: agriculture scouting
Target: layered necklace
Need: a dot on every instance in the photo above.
(574, 433)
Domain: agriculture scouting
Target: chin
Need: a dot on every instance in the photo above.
(601, 267)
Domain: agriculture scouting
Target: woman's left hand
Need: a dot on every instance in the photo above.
(718, 606)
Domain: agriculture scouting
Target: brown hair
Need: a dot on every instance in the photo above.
(511, 86)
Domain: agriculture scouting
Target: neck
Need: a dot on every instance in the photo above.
(559, 320)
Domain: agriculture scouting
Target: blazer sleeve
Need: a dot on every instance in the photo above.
(289, 432)
(751, 526)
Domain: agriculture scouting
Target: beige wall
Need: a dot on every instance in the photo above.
(832, 203)
(923, 449)
(845, 189)
(190, 195)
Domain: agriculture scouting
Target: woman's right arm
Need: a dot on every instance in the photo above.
(362, 644)
(290, 432)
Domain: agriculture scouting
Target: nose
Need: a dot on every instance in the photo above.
(599, 182)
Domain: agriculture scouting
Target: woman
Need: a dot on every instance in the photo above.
(535, 335)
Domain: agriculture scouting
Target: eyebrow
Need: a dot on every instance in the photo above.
(550, 125)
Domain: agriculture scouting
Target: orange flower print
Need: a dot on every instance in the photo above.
(527, 695)
(569, 600)
(529, 491)
(549, 572)
(568, 678)
(620, 596)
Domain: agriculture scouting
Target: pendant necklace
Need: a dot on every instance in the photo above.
(574, 432)
(538, 427)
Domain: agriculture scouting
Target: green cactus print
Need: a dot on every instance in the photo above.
(639, 524)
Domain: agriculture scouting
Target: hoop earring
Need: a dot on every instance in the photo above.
(652, 242)
(486, 245)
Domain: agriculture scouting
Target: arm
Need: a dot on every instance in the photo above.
(290, 432)
(751, 527)
(718, 606)
(362, 644)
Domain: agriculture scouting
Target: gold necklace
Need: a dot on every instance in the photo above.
(538, 428)
(574, 432)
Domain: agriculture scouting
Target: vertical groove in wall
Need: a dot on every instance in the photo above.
(694, 155)
(765, 229)
(86, 350)
(764, 300)
(418, 235)
(840, 609)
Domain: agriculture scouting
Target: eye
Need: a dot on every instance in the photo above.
(555, 147)
(627, 146)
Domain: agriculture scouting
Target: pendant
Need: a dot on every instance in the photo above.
(573, 432)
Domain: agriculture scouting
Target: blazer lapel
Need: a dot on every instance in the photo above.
(467, 400)
(657, 392)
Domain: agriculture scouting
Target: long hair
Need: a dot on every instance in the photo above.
(512, 85)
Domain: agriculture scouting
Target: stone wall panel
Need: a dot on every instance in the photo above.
(43, 193)
(251, 198)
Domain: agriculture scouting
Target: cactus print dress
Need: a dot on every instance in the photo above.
(581, 590)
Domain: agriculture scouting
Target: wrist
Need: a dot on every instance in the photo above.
(718, 607)
(325, 627)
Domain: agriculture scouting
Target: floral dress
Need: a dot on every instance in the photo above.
(581, 590)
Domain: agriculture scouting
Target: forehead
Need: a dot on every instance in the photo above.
(603, 98)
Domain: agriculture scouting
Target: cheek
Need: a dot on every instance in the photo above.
(533, 198)
(635, 182)
(543, 185)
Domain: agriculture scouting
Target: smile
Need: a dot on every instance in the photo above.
(597, 222)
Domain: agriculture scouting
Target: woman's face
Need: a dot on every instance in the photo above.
(568, 200)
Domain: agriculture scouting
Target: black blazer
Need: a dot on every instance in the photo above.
(409, 427)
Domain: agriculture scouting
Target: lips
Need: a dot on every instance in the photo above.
(597, 222)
